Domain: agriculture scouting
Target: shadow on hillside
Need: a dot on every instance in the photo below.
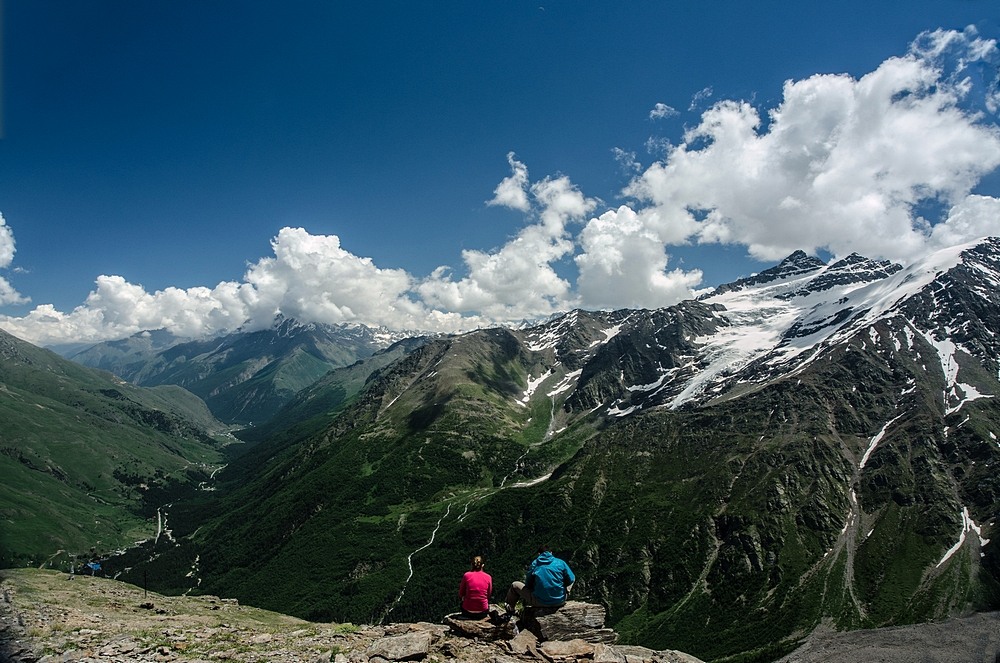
(10, 644)
(11, 628)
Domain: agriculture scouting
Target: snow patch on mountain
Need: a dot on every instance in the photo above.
(968, 525)
(567, 383)
(610, 333)
(874, 442)
(796, 312)
(774, 325)
(547, 336)
(955, 391)
(533, 384)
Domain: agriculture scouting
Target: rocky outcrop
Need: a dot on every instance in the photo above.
(573, 633)
(972, 639)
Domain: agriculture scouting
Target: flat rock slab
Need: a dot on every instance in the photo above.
(567, 650)
(633, 654)
(406, 647)
(481, 629)
(575, 620)
(524, 644)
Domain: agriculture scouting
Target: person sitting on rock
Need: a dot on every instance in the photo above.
(475, 589)
(546, 585)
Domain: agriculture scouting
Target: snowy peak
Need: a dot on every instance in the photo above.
(764, 328)
(853, 269)
(959, 301)
(799, 275)
(246, 376)
(795, 265)
(379, 337)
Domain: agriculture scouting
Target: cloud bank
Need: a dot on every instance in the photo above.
(839, 165)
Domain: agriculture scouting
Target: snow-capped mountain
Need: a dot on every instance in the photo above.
(744, 334)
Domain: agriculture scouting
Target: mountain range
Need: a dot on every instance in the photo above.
(816, 444)
(246, 376)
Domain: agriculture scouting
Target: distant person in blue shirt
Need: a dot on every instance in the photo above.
(547, 583)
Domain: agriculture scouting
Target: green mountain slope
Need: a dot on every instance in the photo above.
(86, 457)
(441, 426)
(314, 404)
(244, 377)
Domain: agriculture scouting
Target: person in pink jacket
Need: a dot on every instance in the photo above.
(475, 590)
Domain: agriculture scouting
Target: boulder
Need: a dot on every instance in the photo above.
(575, 620)
(524, 644)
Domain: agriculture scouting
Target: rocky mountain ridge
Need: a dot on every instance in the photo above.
(45, 617)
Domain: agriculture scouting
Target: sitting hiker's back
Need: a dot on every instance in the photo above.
(475, 589)
(546, 584)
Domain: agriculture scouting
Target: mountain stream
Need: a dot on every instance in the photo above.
(480, 494)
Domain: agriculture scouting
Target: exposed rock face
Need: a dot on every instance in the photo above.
(480, 629)
(630, 653)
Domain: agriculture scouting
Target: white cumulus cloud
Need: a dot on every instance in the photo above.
(661, 110)
(8, 295)
(512, 190)
(841, 164)
(518, 280)
(624, 259)
(310, 277)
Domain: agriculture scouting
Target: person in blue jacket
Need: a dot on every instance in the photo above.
(546, 584)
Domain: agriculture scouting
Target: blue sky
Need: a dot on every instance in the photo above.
(197, 165)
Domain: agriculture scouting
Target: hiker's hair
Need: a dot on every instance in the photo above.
(544, 549)
(477, 563)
